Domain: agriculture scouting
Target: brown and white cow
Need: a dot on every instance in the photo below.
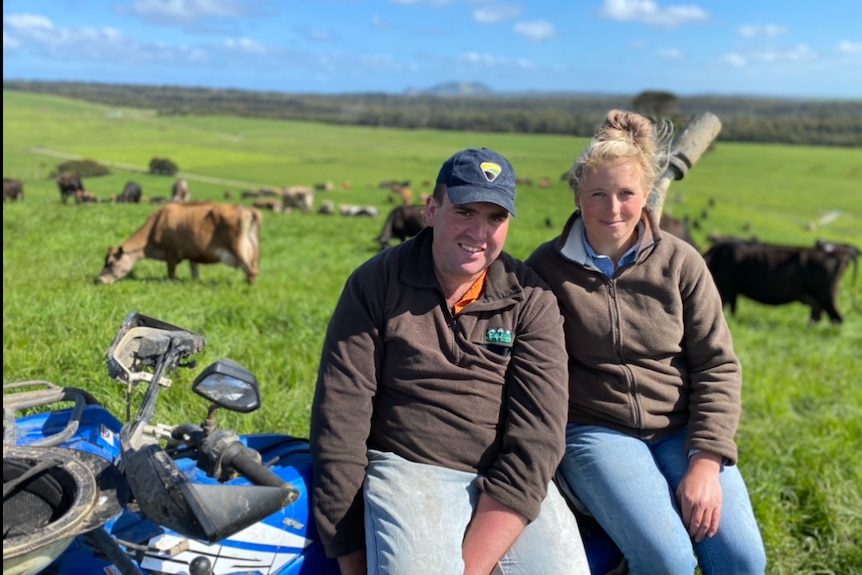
(180, 192)
(300, 197)
(201, 232)
(778, 274)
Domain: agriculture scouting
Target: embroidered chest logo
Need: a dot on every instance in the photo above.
(498, 335)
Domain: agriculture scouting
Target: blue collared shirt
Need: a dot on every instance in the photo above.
(605, 263)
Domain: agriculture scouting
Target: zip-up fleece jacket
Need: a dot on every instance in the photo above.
(650, 352)
(484, 391)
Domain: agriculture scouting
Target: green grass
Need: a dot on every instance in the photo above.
(802, 421)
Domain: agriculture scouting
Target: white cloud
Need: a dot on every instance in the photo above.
(648, 12)
(187, 10)
(845, 47)
(670, 54)
(735, 60)
(245, 46)
(496, 13)
(537, 31)
(769, 56)
(761, 31)
(38, 33)
(478, 58)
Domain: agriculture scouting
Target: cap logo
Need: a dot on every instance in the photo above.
(491, 170)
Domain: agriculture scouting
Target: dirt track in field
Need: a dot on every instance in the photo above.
(144, 169)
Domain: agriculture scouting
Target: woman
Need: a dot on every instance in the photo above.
(654, 383)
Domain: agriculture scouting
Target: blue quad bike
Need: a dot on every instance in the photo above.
(84, 493)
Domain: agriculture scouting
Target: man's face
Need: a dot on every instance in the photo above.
(467, 237)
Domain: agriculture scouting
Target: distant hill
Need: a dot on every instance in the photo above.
(471, 106)
(452, 89)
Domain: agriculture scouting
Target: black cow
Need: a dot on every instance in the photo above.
(777, 274)
(69, 184)
(131, 194)
(402, 222)
(13, 190)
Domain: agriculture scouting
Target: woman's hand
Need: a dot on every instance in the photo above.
(699, 495)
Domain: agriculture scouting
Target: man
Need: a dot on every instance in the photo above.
(439, 414)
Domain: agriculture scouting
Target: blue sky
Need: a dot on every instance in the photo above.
(728, 47)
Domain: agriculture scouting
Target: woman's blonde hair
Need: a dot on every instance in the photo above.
(626, 135)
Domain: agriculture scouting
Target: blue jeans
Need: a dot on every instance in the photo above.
(629, 486)
(416, 516)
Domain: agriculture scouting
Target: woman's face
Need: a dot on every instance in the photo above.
(611, 201)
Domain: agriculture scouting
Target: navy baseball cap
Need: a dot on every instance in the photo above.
(479, 175)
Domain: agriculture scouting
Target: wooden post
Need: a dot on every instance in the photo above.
(687, 149)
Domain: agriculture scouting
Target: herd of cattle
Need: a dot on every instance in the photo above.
(210, 232)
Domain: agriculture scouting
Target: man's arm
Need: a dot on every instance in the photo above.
(491, 532)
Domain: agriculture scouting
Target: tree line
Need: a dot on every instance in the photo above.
(744, 119)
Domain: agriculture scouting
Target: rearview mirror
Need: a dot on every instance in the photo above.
(228, 384)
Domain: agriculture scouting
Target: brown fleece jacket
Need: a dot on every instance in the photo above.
(484, 391)
(650, 351)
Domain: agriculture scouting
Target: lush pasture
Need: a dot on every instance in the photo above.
(802, 423)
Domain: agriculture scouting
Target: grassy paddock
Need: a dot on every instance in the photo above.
(802, 420)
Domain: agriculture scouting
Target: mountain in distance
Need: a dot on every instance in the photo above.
(452, 89)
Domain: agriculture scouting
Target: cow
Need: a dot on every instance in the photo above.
(69, 184)
(677, 227)
(778, 274)
(180, 192)
(271, 205)
(13, 190)
(201, 232)
(402, 222)
(353, 210)
(85, 197)
(131, 194)
(301, 197)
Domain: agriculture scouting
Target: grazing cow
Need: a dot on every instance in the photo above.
(180, 192)
(85, 197)
(69, 184)
(201, 232)
(271, 205)
(402, 222)
(131, 194)
(327, 186)
(13, 190)
(400, 194)
(327, 208)
(777, 274)
(301, 197)
(677, 227)
(351, 210)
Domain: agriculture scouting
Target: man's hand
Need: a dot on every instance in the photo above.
(353, 564)
(699, 495)
(491, 532)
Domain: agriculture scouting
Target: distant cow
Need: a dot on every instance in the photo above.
(677, 227)
(352, 210)
(180, 192)
(201, 232)
(301, 197)
(777, 274)
(131, 194)
(270, 204)
(69, 184)
(13, 190)
(402, 222)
